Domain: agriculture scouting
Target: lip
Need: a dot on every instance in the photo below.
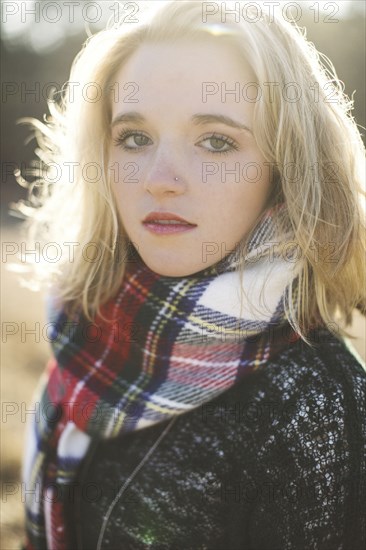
(152, 217)
(156, 216)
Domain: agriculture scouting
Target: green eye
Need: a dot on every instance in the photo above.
(129, 140)
(219, 144)
(140, 139)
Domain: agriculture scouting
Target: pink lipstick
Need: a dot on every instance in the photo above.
(166, 223)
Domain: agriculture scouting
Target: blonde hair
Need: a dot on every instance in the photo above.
(317, 138)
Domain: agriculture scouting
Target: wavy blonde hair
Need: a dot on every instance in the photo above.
(317, 137)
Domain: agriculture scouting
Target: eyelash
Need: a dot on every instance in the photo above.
(124, 134)
(227, 140)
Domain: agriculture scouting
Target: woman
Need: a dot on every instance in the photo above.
(201, 393)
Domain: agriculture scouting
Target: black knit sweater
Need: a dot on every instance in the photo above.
(276, 462)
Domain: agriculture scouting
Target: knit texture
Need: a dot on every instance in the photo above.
(277, 462)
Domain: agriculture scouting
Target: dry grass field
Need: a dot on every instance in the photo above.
(21, 365)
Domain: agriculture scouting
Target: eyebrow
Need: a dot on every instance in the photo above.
(197, 119)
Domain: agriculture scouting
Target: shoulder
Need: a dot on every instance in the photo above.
(326, 369)
(311, 401)
(308, 447)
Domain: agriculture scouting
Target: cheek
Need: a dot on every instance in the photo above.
(255, 184)
(123, 181)
(124, 203)
(121, 199)
(244, 201)
(253, 194)
(248, 195)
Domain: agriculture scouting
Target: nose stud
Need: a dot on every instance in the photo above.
(176, 179)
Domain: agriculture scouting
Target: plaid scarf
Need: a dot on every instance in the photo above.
(162, 346)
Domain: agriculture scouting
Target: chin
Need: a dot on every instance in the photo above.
(171, 269)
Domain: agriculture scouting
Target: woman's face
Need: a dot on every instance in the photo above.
(175, 114)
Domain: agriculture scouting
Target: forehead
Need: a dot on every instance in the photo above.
(183, 74)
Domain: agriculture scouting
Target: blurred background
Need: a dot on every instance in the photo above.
(39, 41)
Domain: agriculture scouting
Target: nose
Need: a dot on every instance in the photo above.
(165, 173)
